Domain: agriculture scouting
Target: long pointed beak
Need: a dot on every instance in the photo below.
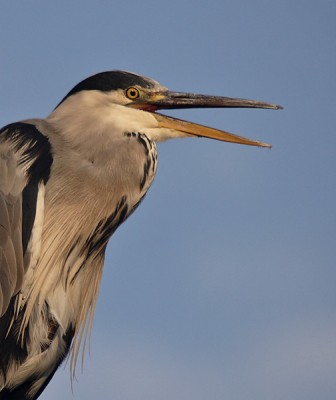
(173, 100)
(203, 131)
(176, 100)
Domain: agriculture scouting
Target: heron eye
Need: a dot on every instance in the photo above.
(132, 93)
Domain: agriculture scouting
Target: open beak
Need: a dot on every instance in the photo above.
(175, 100)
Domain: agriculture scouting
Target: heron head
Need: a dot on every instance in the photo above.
(130, 103)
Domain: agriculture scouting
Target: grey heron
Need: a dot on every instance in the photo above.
(66, 183)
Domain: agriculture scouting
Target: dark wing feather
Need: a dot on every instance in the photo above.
(25, 161)
(11, 254)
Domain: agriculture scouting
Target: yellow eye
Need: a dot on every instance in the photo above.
(132, 93)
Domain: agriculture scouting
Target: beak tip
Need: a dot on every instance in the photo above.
(261, 144)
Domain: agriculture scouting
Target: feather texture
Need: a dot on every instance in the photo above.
(57, 214)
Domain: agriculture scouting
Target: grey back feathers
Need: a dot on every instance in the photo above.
(25, 161)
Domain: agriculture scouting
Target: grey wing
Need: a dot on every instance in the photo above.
(12, 183)
(25, 162)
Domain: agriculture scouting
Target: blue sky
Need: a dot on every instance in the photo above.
(222, 284)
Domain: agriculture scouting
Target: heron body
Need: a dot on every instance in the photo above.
(66, 183)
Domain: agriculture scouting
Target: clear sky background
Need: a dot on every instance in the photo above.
(222, 285)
